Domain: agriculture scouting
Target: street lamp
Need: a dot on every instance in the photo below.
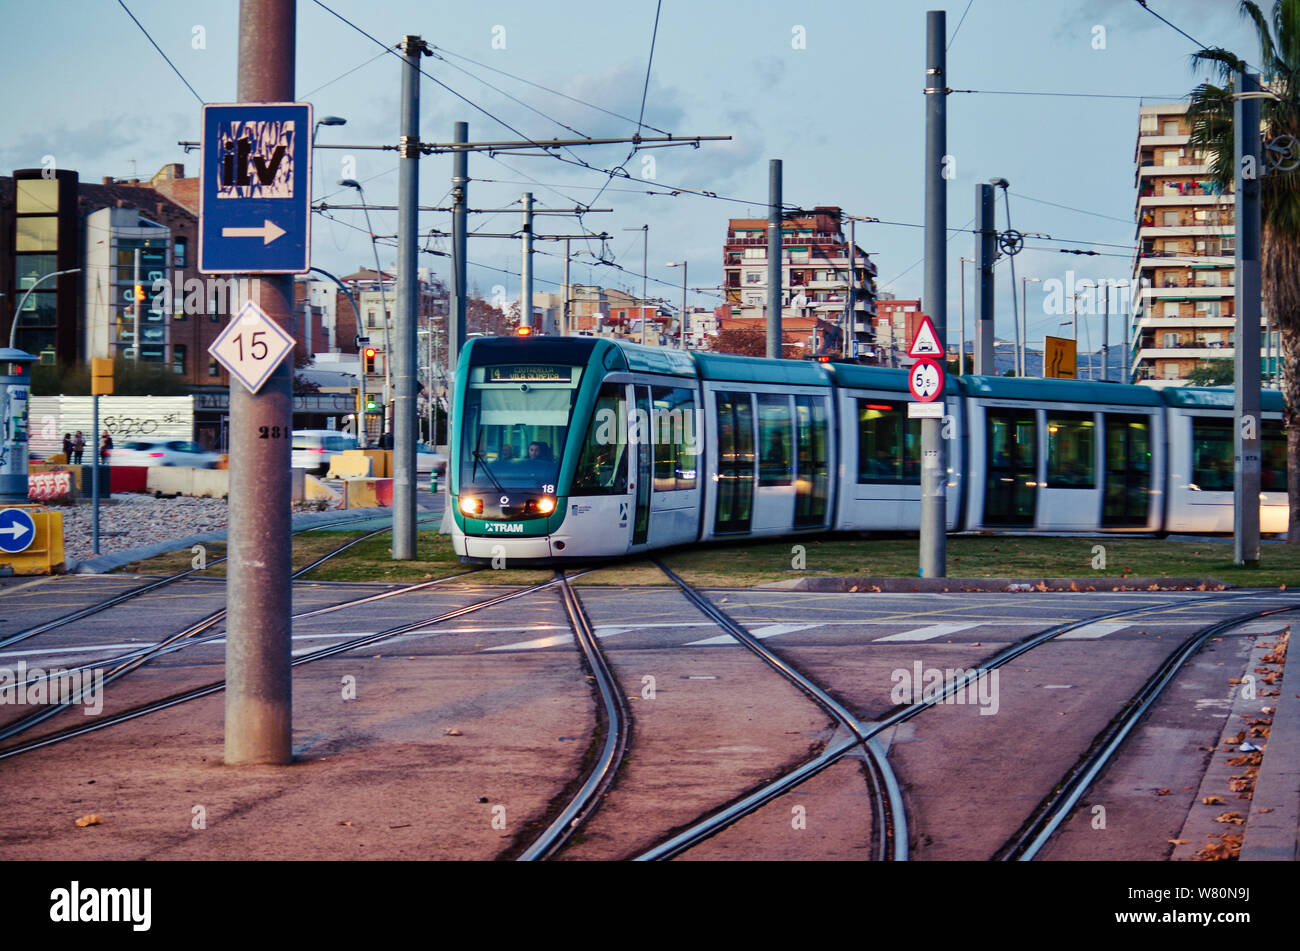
(326, 120)
(645, 253)
(682, 329)
(13, 327)
(1024, 310)
(383, 300)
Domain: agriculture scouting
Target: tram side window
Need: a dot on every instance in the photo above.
(1071, 451)
(1272, 477)
(1212, 453)
(602, 466)
(774, 440)
(675, 434)
(889, 444)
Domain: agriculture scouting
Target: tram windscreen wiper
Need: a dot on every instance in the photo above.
(478, 458)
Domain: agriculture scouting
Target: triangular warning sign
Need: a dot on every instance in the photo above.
(926, 341)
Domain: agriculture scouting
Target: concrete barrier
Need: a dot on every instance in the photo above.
(349, 464)
(126, 478)
(382, 462)
(314, 490)
(206, 483)
(367, 493)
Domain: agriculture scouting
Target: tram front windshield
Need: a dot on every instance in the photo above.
(515, 420)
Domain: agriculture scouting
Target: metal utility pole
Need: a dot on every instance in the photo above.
(774, 260)
(526, 270)
(564, 311)
(645, 259)
(406, 428)
(934, 464)
(1246, 402)
(459, 291)
(985, 255)
(961, 337)
(136, 303)
(851, 298)
(1104, 284)
(259, 724)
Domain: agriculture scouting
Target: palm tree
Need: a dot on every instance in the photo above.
(1210, 113)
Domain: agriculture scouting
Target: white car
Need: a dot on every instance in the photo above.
(162, 452)
(312, 448)
(426, 461)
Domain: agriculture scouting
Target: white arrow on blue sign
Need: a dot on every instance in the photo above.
(255, 193)
(17, 531)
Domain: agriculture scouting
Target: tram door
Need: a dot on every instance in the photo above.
(735, 460)
(811, 484)
(644, 445)
(1011, 488)
(1128, 470)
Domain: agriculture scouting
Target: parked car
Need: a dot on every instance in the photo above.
(312, 448)
(162, 452)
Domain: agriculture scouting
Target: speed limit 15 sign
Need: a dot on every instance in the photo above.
(251, 346)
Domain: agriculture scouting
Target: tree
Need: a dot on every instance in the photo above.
(1213, 373)
(1210, 113)
(749, 343)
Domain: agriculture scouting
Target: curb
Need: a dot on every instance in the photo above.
(102, 564)
(909, 585)
(1274, 835)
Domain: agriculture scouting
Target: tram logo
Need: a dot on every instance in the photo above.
(954, 685)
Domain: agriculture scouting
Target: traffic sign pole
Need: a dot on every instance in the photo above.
(258, 591)
(934, 464)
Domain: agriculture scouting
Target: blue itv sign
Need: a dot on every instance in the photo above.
(255, 195)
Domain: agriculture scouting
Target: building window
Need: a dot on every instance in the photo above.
(180, 252)
(1149, 125)
(1171, 127)
(1169, 219)
(213, 369)
(1171, 340)
(753, 277)
(752, 254)
(178, 359)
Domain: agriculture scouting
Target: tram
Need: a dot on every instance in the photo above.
(580, 447)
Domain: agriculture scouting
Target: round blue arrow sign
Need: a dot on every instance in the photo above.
(17, 531)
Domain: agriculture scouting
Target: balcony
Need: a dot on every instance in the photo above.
(1189, 292)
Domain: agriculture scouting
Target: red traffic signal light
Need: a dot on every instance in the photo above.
(370, 353)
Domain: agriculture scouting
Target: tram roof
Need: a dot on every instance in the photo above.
(646, 359)
(724, 366)
(1218, 397)
(863, 377)
(1058, 391)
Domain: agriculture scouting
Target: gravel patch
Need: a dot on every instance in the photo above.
(130, 520)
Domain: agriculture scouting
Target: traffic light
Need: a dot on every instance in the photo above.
(356, 399)
(370, 359)
(371, 405)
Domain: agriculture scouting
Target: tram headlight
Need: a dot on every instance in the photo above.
(546, 505)
(471, 506)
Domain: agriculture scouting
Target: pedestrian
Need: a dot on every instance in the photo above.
(67, 447)
(105, 446)
(78, 447)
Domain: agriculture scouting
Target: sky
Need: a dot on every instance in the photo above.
(830, 87)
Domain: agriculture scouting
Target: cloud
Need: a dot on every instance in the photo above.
(75, 147)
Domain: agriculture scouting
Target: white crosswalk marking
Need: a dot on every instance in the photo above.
(559, 639)
(770, 630)
(1101, 628)
(929, 632)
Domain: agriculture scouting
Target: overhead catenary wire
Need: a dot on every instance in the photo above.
(123, 5)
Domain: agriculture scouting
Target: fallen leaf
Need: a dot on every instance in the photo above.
(345, 823)
(1233, 817)
(90, 820)
(1177, 841)
(1212, 801)
(1162, 792)
(452, 731)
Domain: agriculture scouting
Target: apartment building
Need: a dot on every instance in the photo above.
(815, 276)
(1184, 313)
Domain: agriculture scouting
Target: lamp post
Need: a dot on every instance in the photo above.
(645, 254)
(1024, 310)
(326, 120)
(13, 327)
(383, 300)
(682, 328)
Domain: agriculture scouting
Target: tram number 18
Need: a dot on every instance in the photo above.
(548, 489)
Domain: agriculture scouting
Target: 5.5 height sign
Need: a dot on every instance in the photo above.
(255, 193)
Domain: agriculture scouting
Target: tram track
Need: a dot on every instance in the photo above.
(1025, 844)
(209, 689)
(713, 823)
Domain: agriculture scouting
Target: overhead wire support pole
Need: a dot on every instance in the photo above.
(406, 427)
(258, 701)
(774, 259)
(934, 465)
(1246, 380)
(459, 291)
(526, 269)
